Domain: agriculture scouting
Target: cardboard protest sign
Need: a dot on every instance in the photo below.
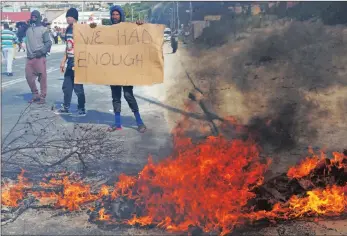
(121, 54)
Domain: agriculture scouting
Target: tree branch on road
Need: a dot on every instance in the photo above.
(46, 142)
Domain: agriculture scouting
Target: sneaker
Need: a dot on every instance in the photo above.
(142, 128)
(114, 128)
(81, 112)
(63, 111)
(9, 74)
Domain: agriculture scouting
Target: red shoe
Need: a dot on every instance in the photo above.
(114, 128)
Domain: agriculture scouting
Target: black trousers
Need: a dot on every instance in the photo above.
(128, 95)
(69, 86)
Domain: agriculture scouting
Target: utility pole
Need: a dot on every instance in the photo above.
(172, 19)
(178, 17)
(132, 13)
(83, 11)
(191, 11)
(173, 16)
(191, 30)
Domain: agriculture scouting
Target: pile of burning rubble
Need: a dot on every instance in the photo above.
(211, 186)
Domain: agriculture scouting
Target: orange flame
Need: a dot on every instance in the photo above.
(11, 194)
(103, 216)
(104, 191)
(206, 185)
(74, 195)
(122, 187)
(304, 168)
(310, 163)
(331, 201)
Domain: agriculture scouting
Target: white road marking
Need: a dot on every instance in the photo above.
(8, 83)
(21, 66)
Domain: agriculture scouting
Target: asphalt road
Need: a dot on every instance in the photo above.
(151, 99)
(16, 93)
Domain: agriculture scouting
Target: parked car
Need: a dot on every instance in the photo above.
(167, 34)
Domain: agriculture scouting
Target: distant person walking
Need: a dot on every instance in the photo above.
(55, 35)
(38, 45)
(69, 76)
(174, 41)
(45, 22)
(8, 38)
(22, 28)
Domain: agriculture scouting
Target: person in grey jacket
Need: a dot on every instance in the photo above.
(38, 45)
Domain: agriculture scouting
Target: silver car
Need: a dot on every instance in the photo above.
(167, 34)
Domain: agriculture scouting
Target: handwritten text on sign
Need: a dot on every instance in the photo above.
(122, 54)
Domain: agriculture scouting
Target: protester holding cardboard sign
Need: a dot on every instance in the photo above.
(69, 76)
(117, 16)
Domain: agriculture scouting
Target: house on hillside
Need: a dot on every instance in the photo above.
(83, 18)
(52, 14)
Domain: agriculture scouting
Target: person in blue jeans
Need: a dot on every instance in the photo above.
(69, 76)
(117, 16)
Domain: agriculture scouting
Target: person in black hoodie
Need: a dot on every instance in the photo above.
(117, 16)
(38, 45)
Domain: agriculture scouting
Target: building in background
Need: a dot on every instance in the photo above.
(13, 17)
(83, 18)
(52, 14)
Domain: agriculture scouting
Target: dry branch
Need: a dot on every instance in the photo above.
(11, 215)
(43, 141)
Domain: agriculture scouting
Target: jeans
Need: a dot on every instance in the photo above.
(68, 86)
(8, 54)
(128, 95)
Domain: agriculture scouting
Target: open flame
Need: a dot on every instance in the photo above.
(310, 163)
(103, 216)
(208, 185)
(331, 201)
(73, 195)
(12, 194)
(306, 166)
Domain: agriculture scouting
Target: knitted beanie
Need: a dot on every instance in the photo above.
(72, 12)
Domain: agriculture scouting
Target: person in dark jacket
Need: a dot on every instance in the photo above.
(38, 44)
(69, 76)
(174, 42)
(22, 28)
(45, 22)
(117, 16)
